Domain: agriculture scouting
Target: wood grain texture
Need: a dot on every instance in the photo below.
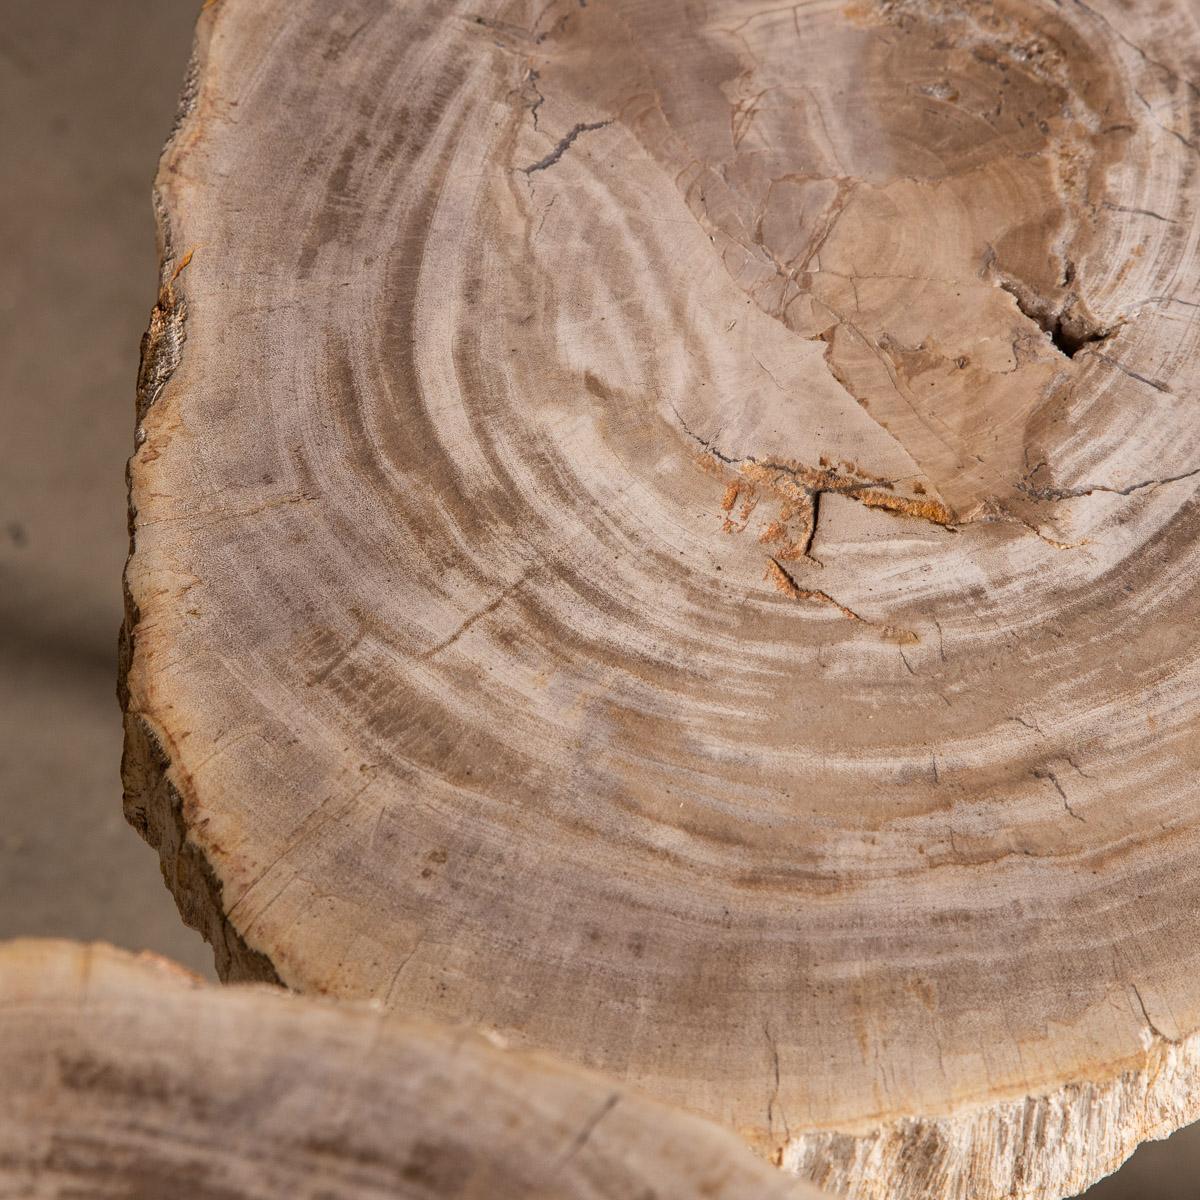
(669, 531)
(129, 1077)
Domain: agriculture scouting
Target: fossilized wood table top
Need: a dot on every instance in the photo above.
(669, 530)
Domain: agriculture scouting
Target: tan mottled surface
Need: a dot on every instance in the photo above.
(669, 531)
(127, 1076)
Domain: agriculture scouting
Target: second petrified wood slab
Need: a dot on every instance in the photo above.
(127, 1077)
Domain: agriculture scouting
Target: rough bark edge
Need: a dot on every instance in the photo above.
(1038, 1148)
(154, 807)
(1052, 1145)
(152, 803)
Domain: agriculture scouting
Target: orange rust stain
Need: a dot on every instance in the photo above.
(927, 510)
(782, 581)
(775, 532)
(924, 991)
(183, 262)
(732, 491)
(825, 598)
(860, 14)
(794, 479)
(787, 585)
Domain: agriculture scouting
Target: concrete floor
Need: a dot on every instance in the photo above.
(87, 95)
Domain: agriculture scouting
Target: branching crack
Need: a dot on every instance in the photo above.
(810, 483)
(531, 79)
(1088, 489)
(475, 617)
(564, 144)
(1158, 65)
(1154, 1029)
(783, 580)
(1050, 777)
(773, 1099)
(704, 442)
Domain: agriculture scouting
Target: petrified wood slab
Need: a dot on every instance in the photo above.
(669, 531)
(128, 1077)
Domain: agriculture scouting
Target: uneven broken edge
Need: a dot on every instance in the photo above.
(127, 1076)
(153, 805)
(1055, 1143)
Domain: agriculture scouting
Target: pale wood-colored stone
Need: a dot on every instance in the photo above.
(128, 1076)
(668, 530)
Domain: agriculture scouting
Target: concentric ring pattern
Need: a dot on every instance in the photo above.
(669, 530)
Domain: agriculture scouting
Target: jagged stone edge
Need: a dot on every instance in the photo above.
(1037, 1148)
(152, 802)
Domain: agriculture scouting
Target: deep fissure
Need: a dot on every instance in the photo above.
(1068, 329)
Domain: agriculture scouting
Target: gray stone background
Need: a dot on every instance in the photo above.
(87, 95)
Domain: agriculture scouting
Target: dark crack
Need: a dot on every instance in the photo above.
(814, 515)
(773, 1099)
(1027, 724)
(485, 611)
(1180, 137)
(1153, 383)
(1139, 212)
(531, 81)
(1088, 489)
(710, 447)
(1154, 1029)
(1068, 328)
(589, 1127)
(1050, 777)
(1157, 64)
(1078, 769)
(565, 143)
